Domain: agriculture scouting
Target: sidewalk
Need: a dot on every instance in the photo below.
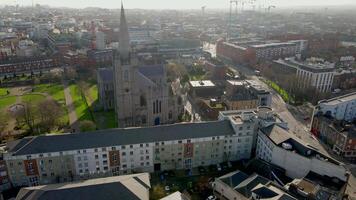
(73, 119)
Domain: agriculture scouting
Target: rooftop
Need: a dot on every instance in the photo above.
(289, 142)
(340, 99)
(312, 65)
(128, 187)
(203, 83)
(117, 137)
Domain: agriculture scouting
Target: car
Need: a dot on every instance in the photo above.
(211, 197)
(201, 170)
(218, 167)
(167, 188)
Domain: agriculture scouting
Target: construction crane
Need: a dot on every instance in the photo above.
(203, 10)
(269, 8)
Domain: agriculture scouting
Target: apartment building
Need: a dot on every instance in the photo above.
(71, 157)
(251, 51)
(340, 108)
(279, 147)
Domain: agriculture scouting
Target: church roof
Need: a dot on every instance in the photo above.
(106, 74)
(152, 70)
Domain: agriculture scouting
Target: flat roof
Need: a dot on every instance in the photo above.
(203, 83)
(340, 99)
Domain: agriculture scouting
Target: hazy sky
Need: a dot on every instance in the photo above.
(173, 4)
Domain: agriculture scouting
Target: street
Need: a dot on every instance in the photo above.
(281, 108)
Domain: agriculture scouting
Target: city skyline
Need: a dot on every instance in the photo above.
(183, 4)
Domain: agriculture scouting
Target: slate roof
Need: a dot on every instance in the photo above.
(277, 134)
(106, 74)
(116, 137)
(111, 188)
(152, 70)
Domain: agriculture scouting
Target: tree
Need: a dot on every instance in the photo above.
(27, 115)
(49, 114)
(3, 121)
(158, 192)
(87, 125)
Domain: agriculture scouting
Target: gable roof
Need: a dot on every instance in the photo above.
(116, 137)
(118, 187)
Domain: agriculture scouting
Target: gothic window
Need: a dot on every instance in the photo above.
(179, 100)
(126, 75)
(143, 119)
(160, 106)
(143, 101)
(154, 108)
(170, 115)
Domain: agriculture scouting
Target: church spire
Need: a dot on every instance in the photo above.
(124, 39)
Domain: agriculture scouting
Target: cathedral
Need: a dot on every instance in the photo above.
(142, 96)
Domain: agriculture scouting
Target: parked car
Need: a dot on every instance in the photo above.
(218, 167)
(211, 197)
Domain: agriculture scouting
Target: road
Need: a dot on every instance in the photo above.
(281, 108)
(73, 119)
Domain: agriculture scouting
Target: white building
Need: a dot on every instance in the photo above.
(277, 146)
(314, 73)
(340, 108)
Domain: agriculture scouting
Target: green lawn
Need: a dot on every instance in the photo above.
(105, 119)
(3, 91)
(80, 105)
(54, 90)
(7, 101)
(33, 98)
(92, 94)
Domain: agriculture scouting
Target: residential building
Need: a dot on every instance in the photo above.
(70, 157)
(340, 108)
(238, 185)
(28, 66)
(202, 89)
(340, 136)
(279, 147)
(100, 41)
(135, 187)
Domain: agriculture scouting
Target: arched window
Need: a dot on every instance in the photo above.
(143, 101)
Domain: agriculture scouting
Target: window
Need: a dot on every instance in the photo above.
(103, 149)
(95, 150)
(126, 75)
(104, 156)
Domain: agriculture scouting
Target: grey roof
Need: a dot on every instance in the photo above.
(234, 179)
(277, 134)
(115, 137)
(106, 74)
(111, 188)
(247, 185)
(152, 70)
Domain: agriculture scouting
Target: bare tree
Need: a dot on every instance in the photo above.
(49, 114)
(27, 115)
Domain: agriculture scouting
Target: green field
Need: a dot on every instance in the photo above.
(33, 98)
(81, 108)
(7, 101)
(54, 90)
(3, 91)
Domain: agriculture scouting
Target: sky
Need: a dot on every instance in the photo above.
(171, 4)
